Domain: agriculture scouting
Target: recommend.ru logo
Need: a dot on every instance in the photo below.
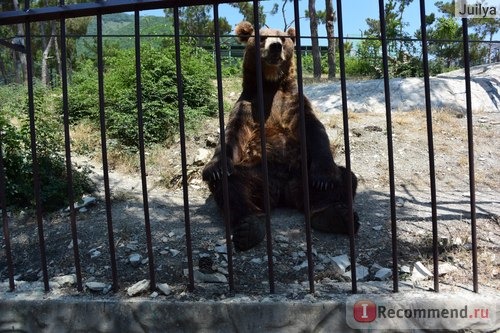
(452, 312)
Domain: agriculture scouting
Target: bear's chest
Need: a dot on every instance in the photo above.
(281, 134)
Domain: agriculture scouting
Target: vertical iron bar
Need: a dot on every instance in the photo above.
(142, 158)
(470, 137)
(5, 218)
(263, 144)
(343, 87)
(67, 146)
(390, 151)
(430, 140)
(225, 190)
(180, 94)
(102, 118)
(36, 171)
(303, 152)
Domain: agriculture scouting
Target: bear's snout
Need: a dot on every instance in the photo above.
(272, 51)
(275, 48)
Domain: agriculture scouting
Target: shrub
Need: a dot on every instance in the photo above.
(159, 92)
(17, 156)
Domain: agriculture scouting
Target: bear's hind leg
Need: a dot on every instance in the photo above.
(330, 210)
(246, 215)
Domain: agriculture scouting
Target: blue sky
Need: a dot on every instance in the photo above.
(355, 12)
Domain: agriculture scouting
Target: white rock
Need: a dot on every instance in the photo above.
(405, 269)
(174, 252)
(303, 265)
(377, 228)
(257, 261)
(135, 259)
(96, 286)
(85, 202)
(221, 249)
(94, 253)
(65, 280)
(138, 288)
(407, 94)
(341, 263)
(445, 268)
(209, 278)
(202, 155)
(383, 274)
(164, 288)
(362, 273)
(420, 272)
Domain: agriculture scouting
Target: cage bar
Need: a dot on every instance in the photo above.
(470, 142)
(390, 150)
(180, 94)
(343, 87)
(67, 147)
(5, 219)
(262, 120)
(430, 142)
(36, 172)
(142, 158)
(104, 151)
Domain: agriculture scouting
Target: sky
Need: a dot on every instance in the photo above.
(355, 13)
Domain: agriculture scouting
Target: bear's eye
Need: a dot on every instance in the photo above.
(282, 39)
(262, 39)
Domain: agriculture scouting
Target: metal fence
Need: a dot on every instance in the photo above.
(98, 9)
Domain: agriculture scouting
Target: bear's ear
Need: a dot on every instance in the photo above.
(291, 33)
(244, 30)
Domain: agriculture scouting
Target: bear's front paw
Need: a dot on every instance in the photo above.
(250, 232)
(213, 170)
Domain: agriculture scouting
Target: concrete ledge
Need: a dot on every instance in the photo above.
(36, 313)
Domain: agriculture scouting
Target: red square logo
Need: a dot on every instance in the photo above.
(364, 311)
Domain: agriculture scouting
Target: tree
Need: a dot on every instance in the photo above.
(246, 9)
(316, 53)
(197, 21)
(445, 38)
(400, 49)
(330, 18)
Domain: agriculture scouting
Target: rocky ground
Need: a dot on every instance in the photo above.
(368, 142)
(369, 160)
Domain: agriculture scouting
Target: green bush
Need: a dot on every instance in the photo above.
(159, 93)
(17, 156)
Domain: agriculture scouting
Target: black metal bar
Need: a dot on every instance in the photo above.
(263, 144)
(225, 183)
(180, 94)
(67, 146)
(5, 218)
(470, 137)
(95, 8)
(104, 151)
(343, 87)
(430, 141)
(303, 154)
(142, 158)
(12, 46)
(34, 157)
(390, 150)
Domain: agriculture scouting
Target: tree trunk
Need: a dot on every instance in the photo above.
(330, 31)
(21, 64)
(316, 53)
(45, 56)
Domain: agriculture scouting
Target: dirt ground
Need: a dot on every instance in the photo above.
(368, 144)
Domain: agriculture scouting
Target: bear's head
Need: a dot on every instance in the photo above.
(276, 50)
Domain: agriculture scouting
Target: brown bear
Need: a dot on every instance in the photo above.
(327, 181)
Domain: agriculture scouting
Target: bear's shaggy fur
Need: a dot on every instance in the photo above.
(327, 182)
